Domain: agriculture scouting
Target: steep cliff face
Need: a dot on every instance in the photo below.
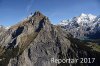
(34, 41)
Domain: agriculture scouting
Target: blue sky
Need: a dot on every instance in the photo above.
(13, 11)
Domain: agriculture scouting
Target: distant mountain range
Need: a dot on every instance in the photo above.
(85, 26)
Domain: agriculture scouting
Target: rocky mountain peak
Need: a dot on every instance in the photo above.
(36, 34)
(35, 19)
(85, 18)
(88, 15)
(37, 16)
(35, 41)
(38, 13)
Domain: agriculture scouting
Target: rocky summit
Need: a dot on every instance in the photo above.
(36, 42)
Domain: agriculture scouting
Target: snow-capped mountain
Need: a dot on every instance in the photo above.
(3, 27)
(83, 26)
(64, 22)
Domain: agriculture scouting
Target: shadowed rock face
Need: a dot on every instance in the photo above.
(34, 41)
